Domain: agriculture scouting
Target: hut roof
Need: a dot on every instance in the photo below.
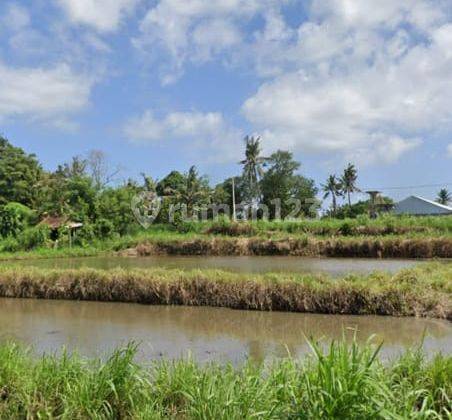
(55, 222)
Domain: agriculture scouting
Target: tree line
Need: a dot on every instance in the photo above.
(87, 190)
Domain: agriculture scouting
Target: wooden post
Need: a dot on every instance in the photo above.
(234, 216)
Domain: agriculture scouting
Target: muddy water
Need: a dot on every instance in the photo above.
(332, 266)
(95, 329)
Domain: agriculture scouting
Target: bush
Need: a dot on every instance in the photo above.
(186, 226)
(9, 244)
(223, 226)
(14, 218)
(346, 229)
(83, 236)
(34, 237)
(103, 228)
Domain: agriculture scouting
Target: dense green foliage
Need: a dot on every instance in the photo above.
(341, 382)
(14, 217)
(19, 175)
(79, 191)
(280, 182)
(403, 237)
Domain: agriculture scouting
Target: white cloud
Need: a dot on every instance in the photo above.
(22, 38)
(49, 95)
(174, 125)
(352, 81)
(356, 81)
(102, 15)
(195, 31)
(449, 150)
(208, 132)
(214, 36)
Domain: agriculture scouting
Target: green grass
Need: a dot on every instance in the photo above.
(421, 291)
(341, 382)
(363, 225)
(384, 225)
(173, 243)
(423, 237)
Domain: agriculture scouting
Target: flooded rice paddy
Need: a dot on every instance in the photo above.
(207, 334)
(335, 267)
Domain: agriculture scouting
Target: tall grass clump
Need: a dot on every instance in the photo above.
(363, 225)
(341, 382)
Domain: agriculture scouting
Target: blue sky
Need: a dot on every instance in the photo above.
(164, 84)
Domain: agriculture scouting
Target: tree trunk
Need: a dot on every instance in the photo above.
(349, 199)
(334, 204)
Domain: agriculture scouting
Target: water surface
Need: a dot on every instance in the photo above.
(208, 334)
(331, 266)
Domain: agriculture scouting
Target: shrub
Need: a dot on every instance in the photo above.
(9, 244)
(223, 226)
(34, 237)
(186, 226)
(84, 235)
(346, 229)
(103, 228)
(14, 217)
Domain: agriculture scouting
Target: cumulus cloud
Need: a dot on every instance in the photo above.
(195, 31)
(208, 131)
(49, 95)
(358, 82)
(352, 80)
(102, 15)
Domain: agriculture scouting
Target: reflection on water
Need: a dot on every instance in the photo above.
(219, 334)
(331, 266)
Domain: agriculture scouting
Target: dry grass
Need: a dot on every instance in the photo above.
(423, 291)
(361, 247)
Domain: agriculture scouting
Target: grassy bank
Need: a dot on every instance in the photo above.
(363, 225)
(387, 237)
(342, 382)
(421, 291)
(391, 246)
(353, 247)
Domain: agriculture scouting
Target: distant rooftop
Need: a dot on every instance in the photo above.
(443, 206)
(416, 205)
(55, 222)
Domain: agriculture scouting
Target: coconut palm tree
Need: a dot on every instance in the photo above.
(444, 196)
(193, 190)
(348, 181)
(253, 165)
(333, 188)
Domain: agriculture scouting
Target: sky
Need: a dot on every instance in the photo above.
(165, 84)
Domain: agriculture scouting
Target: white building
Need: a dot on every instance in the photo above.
(418, 206)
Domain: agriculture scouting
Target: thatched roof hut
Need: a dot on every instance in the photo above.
(56, 222)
